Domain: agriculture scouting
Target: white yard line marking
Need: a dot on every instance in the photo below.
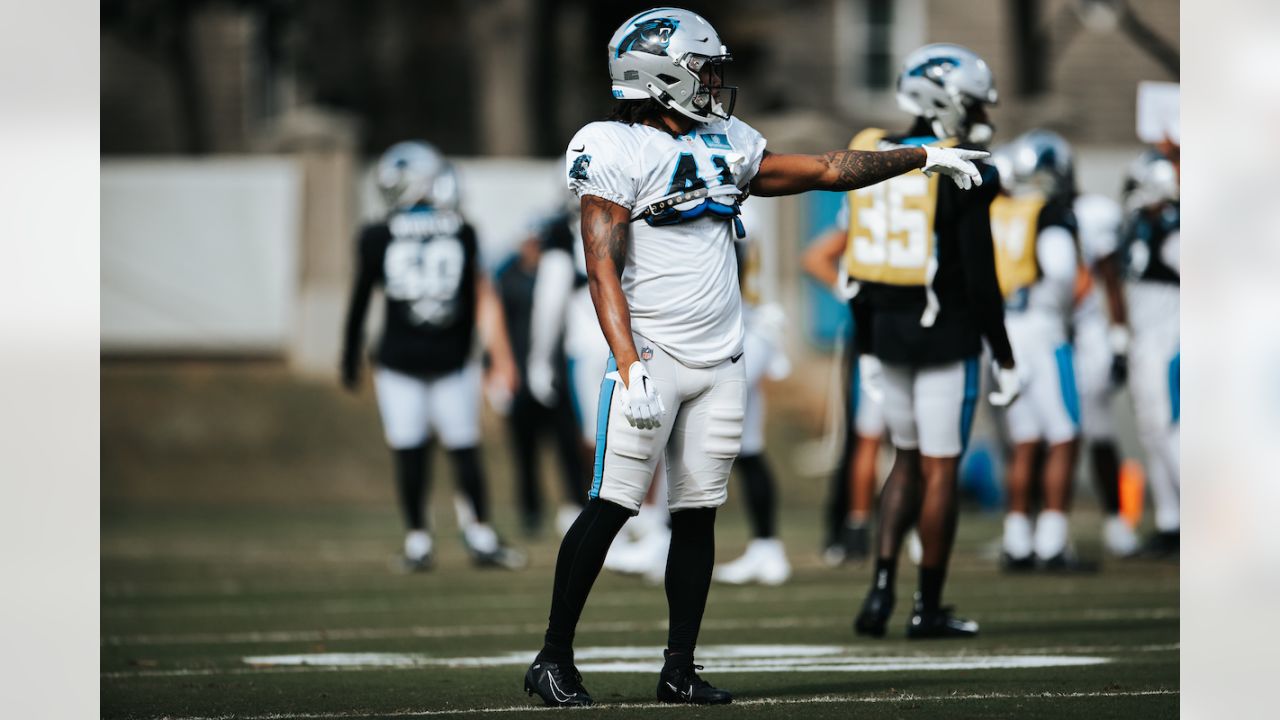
(627, 707)
(455, 631)
(825, 657)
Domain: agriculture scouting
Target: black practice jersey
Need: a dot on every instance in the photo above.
(558, 234)
(425, 260)
(1142, 243)
(971, 306)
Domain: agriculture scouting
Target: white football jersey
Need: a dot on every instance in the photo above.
(680, 280)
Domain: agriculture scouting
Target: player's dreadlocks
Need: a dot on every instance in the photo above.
(637, 112)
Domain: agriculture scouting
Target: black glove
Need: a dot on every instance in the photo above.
(1119, 369)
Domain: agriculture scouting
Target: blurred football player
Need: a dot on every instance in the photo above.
(1038, 265)
(764, 355)
(564, 323)
(854, 482)
(1101, 341)
(919, 270)
(1149, 254)
(660, 184)
(424, 256)
(529, 419)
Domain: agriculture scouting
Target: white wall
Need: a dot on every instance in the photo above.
(199, 255)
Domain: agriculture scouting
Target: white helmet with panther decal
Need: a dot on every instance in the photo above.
(413, 172)
(660, 54)
(1038, 160)
(941, 83)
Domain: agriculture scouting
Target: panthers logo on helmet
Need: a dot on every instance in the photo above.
(934, 69)
(579, 169)
(650, 36)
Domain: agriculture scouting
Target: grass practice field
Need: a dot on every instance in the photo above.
(248, 530)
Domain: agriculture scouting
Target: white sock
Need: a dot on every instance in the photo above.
(481, 538)
(417, 543)
(1051, 534)
(1017, 535)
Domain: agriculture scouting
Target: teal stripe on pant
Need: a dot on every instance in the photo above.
(1067, 379)
(602, 427)
(1175, 387)
(970, 403)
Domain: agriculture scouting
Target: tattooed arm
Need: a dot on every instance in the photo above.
(605, 229)
(837, 170)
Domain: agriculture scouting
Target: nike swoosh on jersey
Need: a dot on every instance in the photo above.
(736, 358)
(579, 149)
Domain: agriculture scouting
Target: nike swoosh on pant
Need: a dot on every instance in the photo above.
(736, 358)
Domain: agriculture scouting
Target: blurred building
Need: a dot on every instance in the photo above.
(517, 77)
(310, 90)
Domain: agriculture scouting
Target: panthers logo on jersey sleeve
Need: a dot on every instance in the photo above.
(891, 238)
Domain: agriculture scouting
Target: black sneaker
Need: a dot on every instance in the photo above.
(940, 623)
(1011, 564)
(856, 541)
(558, 684)
(502, 557)
(681, 684)
(874, 616)
(1067, 563)
(421, 563)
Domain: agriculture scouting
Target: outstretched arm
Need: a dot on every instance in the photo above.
(843, 170)
(839, 170)
(605, 228)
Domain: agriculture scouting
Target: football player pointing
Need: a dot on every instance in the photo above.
(660, 185)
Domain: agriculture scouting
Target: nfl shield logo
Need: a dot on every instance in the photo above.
(646, 353)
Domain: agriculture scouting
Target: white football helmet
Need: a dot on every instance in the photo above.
(414, 172)
(1039, 160)
(940, 83)
(660, 54)
(1151, 179)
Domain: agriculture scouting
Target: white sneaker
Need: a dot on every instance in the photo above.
(629, 557)
(915, 548)
(655, 547)
(565, 517)
(765, 561)
(480, 538)
(417, 545)
(1119, 539)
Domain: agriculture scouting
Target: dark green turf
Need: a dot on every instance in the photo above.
(248, 514)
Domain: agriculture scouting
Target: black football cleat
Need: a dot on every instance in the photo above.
(681, 684)
(1066, 563)
(940, 623)
(422, 563)
(1011, 564)
(558, 684)
(503, 557)
(874, 616)
(857, 543)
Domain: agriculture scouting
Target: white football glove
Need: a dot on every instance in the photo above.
(542, 382)
(871, 374)
(641, 404)
(1008, 385)
(955, 163)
